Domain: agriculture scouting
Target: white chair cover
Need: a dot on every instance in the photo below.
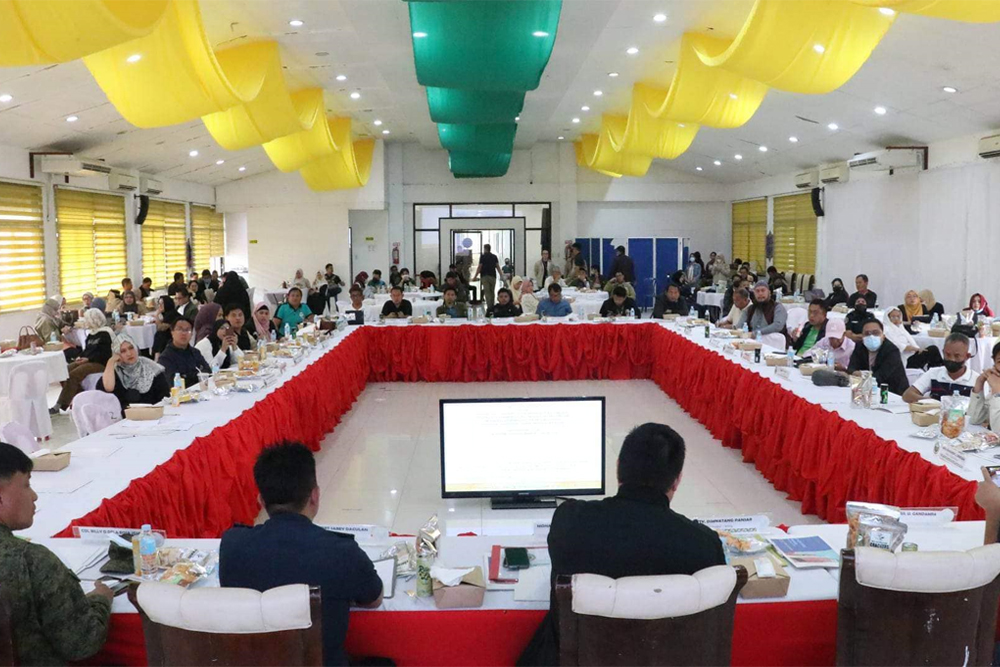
(26, 392)
(775, 340)
(94, 410)
(797, 317)
(90, 382)
(18, 435)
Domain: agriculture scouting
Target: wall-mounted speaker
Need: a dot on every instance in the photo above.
(140, 216)
(817, 205)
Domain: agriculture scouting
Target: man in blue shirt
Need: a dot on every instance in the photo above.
(289, 549)
(554, 306)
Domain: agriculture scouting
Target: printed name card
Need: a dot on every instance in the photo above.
(752, 523)
(362, 532)
(783, 372)
(542, 527)
(928, 515)
(952, 457)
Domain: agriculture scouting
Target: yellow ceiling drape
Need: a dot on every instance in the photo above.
(970, 11)
(347, 169)
(39, 32)
(296, 150)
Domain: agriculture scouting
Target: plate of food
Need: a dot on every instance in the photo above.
(742, 544)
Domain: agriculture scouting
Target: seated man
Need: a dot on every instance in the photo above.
(741, 301)
(861, 283)
(186, 306)
(396, 307)
(289, 549)
(554, 305)
(451, 279)
(556, 277)
(451, 306)
(765, 315)
(776, 281)
(52, 621)
(670, 302)
(376, 283)
(857, 318)
(619, 281)
(599, 536)
(837, 343)
(580, 281)
(619, 305)
(505, 306)
(881, 357)
(813, 330)
(955, 375)
(356, 313)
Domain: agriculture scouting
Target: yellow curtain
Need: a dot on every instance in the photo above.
(795, 234)
(22, 247)
(749, 225)
(163, 242)
(91, 228)
(39, 32)
(207, 236)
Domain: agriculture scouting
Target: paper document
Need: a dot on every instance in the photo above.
(386, 569)
(92, 451)
(533, 585)
(48, 483)
(895, 408)
(807, 551)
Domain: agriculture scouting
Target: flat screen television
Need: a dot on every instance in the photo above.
(522, 452)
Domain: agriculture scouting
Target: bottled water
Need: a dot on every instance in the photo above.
(829, 361)
(148, 552)
(52, 338)
(791, 357)
(288, 330)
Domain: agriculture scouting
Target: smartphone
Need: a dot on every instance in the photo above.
(994, 474)
(117, 586)
(516, 558)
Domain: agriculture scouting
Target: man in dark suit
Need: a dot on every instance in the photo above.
(624, 264)
(634, 533)
(881, 357)
(289, 549)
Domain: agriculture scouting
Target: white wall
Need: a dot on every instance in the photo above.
(289, 237)
(237, 247)
(369, 243)
(705, 223)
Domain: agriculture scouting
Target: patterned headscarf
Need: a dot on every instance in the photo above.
(139, 375)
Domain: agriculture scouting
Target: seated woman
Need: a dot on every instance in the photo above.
(132, 378)
(933, 307)
(979, 307)
(528, 301)
(293, 312)
(838, 295)
(913, 310)
(204, 321)
(114, 298)
(427, 280)
(505, 306)
(92, 359)
(166, 313)
(179, 357)
(262, 323)
(49, 324)
(913, 355)
(196, 289)
(220, 347)
(299, 281)
(130, 304)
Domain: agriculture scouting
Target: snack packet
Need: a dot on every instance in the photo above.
(861, 389)
(855, 511)
(953, 409)
(881, 532)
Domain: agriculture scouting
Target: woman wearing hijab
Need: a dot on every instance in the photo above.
(205, 320)
(913, 355)
(131, 304)
(179, 357)
(528, 301)
(114, 299)
(87, 299)
(979, 306)
(220, 347)
(92, 359)
(132, 378)
(300, 281)
(912, 310)
(262, 322)
(49, 320)
(838, 295)
(933, 307)
(233, 291)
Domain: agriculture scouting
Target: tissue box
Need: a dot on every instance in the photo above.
(747, 345)
(775, 587)
(670, 317)
(938, 333)
(925, 405)
(809, 369)
(53, 347)
(419, 319)
(143, 413)
(51, 462)
(468, 593)
(776, 360)
(929, 418)
(840, 308)
(527, 317)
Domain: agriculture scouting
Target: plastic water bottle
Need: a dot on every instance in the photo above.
(116, 317)
(790, 354)
(758, 337)
(175, 391)
(691, 311)
(288, 330)
(274, 336)
(745, 329)
(215, 369)
(52, 338)
(830, 363)
(148, 552)
(934, 320)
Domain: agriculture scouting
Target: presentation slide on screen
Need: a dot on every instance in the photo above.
(522, 446)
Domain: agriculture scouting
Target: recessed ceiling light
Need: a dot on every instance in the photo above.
(681, 125)
(560, 137)
(192, 153)
(584, 108)
(576, 120)
(885, 11)
(295, 23)
(220, 162)
(517, 119)
(341, 77)
(539, 33)
(355, 95)
(881, 111)
(733, 96)
(819, 48)
(762, 149)
(420, 35)
(5, 98)
(134, 58)
(949, 89)
(385, 131)
(632, 50)
(833, 126)
(598, 93)
(72, 119)
(697, 168)
(377, 122)
(794, 140)
(660, 18)
(717, 163)
(737, 157)
(242, 169)
(613, 74)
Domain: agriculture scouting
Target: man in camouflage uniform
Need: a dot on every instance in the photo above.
(53, 621)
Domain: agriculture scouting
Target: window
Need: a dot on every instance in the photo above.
(208, 236)
(22, 247)
(750, 232)
(164, 250)
(795, 234)
(91, 229)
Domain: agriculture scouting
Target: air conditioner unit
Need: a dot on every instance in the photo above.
(838, 173)
(891, 159)
(123, 182)
(989, 146)
(807, 180)
(150, 186)
(73, 166)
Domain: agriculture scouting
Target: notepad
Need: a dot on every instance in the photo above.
(386, 569)
(533, 585)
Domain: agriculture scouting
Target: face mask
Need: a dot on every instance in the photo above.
(873, 343)
(953, 366)
(860, 309)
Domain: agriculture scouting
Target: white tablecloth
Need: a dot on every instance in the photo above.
(704, 298)
(982, 349)
(142, 335)
(373, 307)
(55, 364)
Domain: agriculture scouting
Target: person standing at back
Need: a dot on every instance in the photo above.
(633, 533)
(543, 268)
(489, 267)
(623, 264)
(289, 548)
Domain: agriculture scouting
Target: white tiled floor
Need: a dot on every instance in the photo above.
(382, 464)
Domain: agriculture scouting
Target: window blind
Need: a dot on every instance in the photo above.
(208, 235)
(163, 242)
(749, 231)
(92, 255)
(795, 234)
(22, 247)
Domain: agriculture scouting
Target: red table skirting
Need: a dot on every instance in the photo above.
(783, 633)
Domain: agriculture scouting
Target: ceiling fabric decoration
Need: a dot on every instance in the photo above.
(346, 169)
(40, 32)
(477, 59)
(970, 11)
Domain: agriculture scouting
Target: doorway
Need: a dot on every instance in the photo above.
(467, 247)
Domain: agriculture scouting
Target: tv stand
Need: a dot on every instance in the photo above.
(522, 503)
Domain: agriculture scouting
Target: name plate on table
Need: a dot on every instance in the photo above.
(728, 349)
(783, 372)
(102, 533)
(737, 524)
(542, 527)
(928, 515)
(362, 532)
(952, 456)
(747, 356)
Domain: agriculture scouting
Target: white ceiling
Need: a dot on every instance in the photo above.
(369, 41)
